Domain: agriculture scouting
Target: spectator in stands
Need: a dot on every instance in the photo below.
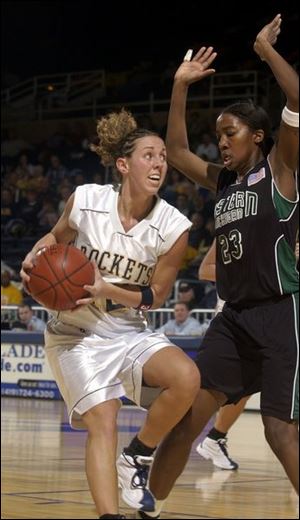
(17, 326)
(195, 127)
(78, 178)
(198, 231)
(203, 246)
(12, 145)
(10, 270)
(183, 324)
(28, 210)
(10, 294)
(48, 215)
(24, 168)
(97, 178)
(27, 317)
(189, 255)
(183, 204)
(207, 149)
(56, 171)
(37, 179)
(8, 208)
(64, 194)
(187, 293)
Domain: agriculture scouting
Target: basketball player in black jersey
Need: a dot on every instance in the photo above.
(252, 345)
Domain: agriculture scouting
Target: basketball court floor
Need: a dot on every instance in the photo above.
(43, 470)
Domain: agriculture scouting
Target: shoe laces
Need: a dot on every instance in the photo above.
(223, 445)
(140, 478)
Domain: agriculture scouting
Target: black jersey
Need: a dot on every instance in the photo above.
(256, 230)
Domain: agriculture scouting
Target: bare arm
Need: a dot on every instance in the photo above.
(179, 154)
(60, 233)
(207, 269)
(284, 155)
(161, 284)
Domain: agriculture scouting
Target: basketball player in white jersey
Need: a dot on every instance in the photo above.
(104, 349)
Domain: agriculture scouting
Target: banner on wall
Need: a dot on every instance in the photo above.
(25, 371)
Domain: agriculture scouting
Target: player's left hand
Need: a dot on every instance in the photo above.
(268, 34)
(96, 290)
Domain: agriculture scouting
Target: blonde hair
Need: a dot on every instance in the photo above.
(117, 134)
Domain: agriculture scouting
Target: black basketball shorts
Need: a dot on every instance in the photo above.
(255, 350)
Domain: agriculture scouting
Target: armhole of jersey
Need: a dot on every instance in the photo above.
(74, 216)
(286, 267)
(182, 226)
(283, 206)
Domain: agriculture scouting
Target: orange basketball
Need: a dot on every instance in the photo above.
(58, 277)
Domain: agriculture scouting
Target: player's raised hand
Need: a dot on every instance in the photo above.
(268, 34)
(197, 68)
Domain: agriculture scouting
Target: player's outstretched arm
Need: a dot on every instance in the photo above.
(285, 75)
(179, 154)
(284, 155)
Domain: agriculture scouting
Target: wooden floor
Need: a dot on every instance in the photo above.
(43, 470)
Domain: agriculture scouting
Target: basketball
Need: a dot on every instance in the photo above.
(58, 277)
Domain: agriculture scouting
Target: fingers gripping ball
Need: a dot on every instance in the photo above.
(58, 277)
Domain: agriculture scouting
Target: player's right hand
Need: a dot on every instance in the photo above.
(27, 265)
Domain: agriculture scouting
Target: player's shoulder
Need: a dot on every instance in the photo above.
(95, 188)
(95, 194)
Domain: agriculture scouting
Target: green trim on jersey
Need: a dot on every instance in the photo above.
(284, 207)
(295, 405)
(287, 271)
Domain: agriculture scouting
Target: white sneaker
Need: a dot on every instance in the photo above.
(133, 479)
(217, 452)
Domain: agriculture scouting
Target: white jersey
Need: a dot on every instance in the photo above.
(97, 352)
(122, 257)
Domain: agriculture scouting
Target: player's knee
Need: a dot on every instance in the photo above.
(279, 434)
(100, 422)
(188, 383)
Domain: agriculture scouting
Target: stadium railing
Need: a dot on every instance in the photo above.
(156, 318)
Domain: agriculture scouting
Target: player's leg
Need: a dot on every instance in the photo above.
(283, 438)
(172, 454)
(101, 447)
(228, 414)
(178, 377)
(220, 367)
(214, 446)
(280, 392)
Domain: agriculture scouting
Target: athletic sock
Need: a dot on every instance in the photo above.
(216, 434)
(137, 447)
